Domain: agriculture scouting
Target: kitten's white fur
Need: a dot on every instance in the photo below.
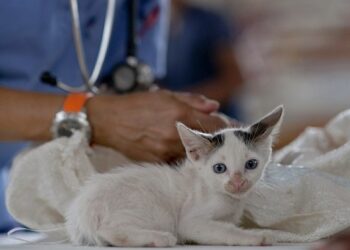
(159, 205)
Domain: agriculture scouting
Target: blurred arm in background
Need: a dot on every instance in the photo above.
(228, 80)
(200, 55)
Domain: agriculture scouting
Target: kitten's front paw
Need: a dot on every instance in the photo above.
(248, 240)
(255, 239)
(163, 240)
(267, 239)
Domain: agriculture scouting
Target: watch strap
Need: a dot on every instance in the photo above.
(75, 102)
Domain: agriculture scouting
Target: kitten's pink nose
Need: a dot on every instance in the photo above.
(237, 181)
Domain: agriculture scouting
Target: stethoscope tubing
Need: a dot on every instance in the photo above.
(89, 80)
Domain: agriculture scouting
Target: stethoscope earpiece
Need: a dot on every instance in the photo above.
(48, 78)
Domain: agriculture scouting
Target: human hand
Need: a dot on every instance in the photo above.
(142, 125)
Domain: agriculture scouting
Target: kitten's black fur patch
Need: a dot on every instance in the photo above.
(243, 136)
(256, 131)
(217, 140)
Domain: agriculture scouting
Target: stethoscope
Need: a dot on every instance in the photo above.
(129, 76)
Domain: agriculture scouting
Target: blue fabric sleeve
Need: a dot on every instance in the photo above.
(153, 44)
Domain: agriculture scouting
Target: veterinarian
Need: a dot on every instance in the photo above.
(36, 36)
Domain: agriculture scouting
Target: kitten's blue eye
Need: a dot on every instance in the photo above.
(251, 164)
(219, 168)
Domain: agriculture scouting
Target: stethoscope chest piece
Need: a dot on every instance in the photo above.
(132, 76)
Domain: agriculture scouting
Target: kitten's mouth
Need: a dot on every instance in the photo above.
(238, 189)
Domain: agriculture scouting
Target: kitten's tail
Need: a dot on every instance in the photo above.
(54, 235)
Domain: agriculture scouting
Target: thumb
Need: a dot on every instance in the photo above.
(198, 102)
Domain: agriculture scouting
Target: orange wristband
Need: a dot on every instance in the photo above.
(75, 102)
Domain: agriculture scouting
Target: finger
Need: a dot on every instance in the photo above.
(222, 116)
(198, 102)
(236, 123)
(228, 120)
(205, 123)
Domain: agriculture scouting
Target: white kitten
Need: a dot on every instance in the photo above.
(201, 201)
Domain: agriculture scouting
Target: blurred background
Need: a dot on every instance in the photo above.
(252, 55)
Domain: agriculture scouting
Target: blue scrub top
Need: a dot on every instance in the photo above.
(36, 36)
(192, 49)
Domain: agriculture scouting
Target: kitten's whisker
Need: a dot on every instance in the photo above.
(266, 209)
(274, 211)
(260, 195)
(250, 216)
(269, 185)
(201, 126)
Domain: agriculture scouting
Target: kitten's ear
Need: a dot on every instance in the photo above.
(196, 144)
(268, 126)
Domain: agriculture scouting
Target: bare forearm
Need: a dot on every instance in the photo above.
(27, 115)
(128, 123)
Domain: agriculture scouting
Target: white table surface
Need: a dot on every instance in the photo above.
(13, 244)
(69, 247)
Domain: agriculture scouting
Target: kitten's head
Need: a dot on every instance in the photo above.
(233, 159)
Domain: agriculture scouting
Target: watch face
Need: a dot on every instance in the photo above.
(65, 124)
(66, 127)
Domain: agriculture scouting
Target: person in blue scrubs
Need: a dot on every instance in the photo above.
(200, 55)
(36, 36)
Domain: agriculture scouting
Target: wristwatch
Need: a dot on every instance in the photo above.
(73, 117)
